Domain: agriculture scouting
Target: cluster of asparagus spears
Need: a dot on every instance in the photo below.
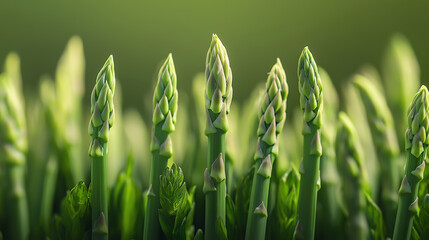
(324, 174)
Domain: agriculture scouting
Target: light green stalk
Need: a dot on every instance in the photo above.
(164, 118)
(416, 144)
(13, 149)
(349, 164)
(383, 133)
(102, 117)
(218, 101)
(329, 214)
(311, 102)
(272, 119)
(401, 74)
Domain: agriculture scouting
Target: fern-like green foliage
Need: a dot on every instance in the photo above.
(177, 205)
(282, 222)
(74, 220)
(421, 221)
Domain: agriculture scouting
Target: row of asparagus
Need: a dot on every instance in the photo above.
(347, 185)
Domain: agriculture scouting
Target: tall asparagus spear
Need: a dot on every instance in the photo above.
(329, 214)
(102, 117)
(164, 118)
(272, 119)
(311, 102)
(349, 164)
(416, 144)
(383, 133)
(13, 148)
(218, 101)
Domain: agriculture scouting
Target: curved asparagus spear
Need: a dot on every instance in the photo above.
(311, 102)
(383, 133)
(218, 101)
(13, 148)
(416, 144)
(164, 118)
(349, 166)
(272, 118)
(401, 73)
(102, 117)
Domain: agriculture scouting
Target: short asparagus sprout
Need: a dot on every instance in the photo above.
(272, 119)
(218, 96)
(102, 117)
(349, 163)
(164, 118)
(311, 102)
(416, 144)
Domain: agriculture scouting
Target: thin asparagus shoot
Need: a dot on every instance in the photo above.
(164, 119)
(349, 164)
(218, 97)
(272, 119)
(13, 148)
(311, 102)
(102, 117)
(416, 144)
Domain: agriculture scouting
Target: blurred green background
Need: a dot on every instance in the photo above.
(342, 36)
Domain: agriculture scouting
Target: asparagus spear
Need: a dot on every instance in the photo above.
(349, 164)
(164, 119)
(329, 214)
(13, 148)
(383, 133)
(218, 97)
(311, 102)
(102, 117)
(401, 73)
(416, 143)
(272, 119)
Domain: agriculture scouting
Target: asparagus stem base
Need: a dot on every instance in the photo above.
(99, 194)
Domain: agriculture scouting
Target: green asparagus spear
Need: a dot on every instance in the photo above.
(311, 102)
(164, 118)
(329, 215)
(401, 75)
(102, 117)
(383, 133)
(349, 164)
(272, 119)
(416, 144)
(218, 97)
(13, 142)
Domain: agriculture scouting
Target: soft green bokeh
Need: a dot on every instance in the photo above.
(342, 36)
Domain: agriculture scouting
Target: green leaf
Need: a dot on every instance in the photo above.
(199, 235)
(375, 219)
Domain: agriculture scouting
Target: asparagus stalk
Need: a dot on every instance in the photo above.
(102, 117)
(164, 118)
(416, 144)
(349, 164)
(311, 102)
(218, 97)
(13, 148)
(272, 119)
(383, 133)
